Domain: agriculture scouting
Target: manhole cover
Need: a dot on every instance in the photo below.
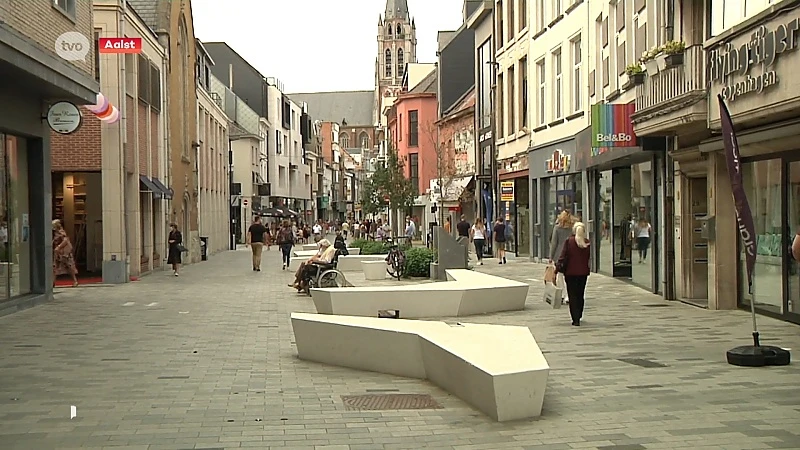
(646, 363)
(384, 402)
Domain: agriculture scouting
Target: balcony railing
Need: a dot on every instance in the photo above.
(673, 82)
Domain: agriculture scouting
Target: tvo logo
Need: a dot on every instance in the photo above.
(619, 137)
(72, 46)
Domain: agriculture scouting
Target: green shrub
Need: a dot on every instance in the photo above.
(375, 248)
(358, 243)
(418, 262)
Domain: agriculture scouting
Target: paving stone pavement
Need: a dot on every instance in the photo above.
(206, 360)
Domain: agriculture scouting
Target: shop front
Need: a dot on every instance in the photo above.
(624, 175)
(514, 205)
(556, 185)
(770, 157)
(34, 81)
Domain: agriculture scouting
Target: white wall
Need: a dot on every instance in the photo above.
(726, 14)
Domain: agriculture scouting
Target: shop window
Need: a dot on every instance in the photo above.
(15, 226)
(792, 228)
(762, 183)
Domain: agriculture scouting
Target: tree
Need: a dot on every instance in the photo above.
(387, 186)
(446, 172)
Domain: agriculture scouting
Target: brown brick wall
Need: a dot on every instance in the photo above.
(130, 151)
(79, 151)
(143, 136)
(41, 22)
(155, 145)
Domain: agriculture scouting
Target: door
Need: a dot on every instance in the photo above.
(791, 301)
(698, 246)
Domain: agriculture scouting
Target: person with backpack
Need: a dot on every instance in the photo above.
(286, 242)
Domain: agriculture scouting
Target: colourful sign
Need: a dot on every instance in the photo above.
(506, 191)
(558, 163)
(612, 127)
(119, 45)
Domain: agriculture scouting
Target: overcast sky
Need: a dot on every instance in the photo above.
(316, 45)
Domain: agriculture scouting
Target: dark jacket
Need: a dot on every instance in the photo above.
(574, 261)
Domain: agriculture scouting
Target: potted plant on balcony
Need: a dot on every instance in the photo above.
(649, 60)
(635, 75)
(673, 53)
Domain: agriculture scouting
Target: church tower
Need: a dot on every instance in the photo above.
(397, 46)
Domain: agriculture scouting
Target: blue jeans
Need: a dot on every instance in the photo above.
(286, 253)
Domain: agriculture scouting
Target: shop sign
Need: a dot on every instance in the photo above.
(612, 127)
(485, 138)
(763, 48)
(558, 163)
(506, 191)
(64, 118)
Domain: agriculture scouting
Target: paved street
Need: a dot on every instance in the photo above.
(207, 360)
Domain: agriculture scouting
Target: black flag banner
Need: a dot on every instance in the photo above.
(744, 216)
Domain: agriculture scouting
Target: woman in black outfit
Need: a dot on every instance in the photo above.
(175, 245)
(286, 242)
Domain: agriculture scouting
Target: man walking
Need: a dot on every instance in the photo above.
(317, 230)
(255, 239)
(463, 228)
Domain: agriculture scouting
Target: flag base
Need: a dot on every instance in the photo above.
(758, 356)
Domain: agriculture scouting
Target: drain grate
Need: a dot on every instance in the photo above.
(645, 386)
(657, 305)
(646, 363)
(383, 402)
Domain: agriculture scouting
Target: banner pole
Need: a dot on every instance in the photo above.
(756, 340)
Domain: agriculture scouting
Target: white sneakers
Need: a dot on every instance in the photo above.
(175, 273)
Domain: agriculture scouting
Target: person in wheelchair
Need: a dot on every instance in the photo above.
(310, 268)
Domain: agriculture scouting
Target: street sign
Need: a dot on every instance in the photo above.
(236, 200)
(245, 202)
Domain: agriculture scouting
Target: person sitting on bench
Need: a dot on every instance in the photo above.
(324, 256)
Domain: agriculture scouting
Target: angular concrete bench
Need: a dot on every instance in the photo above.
(498, 369)
(467, 293)
(374, 270)
(352, 262)
(309, 253)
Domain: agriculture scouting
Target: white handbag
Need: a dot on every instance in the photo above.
(552, 295)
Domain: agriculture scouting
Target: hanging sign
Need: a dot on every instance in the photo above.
(64, 118)
(558, 163)
(506, 191)
(104, 110)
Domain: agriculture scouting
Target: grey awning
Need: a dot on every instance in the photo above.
(145, 185)
(168, 192)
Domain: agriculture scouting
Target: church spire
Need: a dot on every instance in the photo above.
(396, 9)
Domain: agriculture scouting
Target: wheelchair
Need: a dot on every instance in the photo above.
(319, 275)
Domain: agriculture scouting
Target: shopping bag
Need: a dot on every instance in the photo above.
(552, 295)
(549, 274)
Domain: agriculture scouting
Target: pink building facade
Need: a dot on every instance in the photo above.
(414, 133)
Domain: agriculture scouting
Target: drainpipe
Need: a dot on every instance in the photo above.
(165, 127)
(669, 27)
(123, 127)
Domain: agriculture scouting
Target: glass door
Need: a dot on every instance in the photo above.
(6, 258)
(791, 301)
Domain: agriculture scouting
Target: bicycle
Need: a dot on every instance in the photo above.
(395, 260)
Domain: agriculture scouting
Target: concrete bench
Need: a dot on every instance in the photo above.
(497, 369)
(374, 270)
(467, 293)
(309, 253)
(307, 247)
(352, 262)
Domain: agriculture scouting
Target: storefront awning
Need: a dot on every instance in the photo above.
(167, 192)
(145, 185)
(456, 187)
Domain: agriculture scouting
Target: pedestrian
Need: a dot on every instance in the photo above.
(286, 243)
(499, 232)
(478, 236)
(175, 241)
(63, 259)
(317, 230)
(255, 240)
(447, 226)
(573, 263)
(345, 228)
(411, 229)
(562, 230)
(463, 228)
(325, 255)
(643, 231)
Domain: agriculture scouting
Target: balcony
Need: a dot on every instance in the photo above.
(675, 100)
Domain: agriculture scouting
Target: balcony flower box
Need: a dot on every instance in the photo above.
(635, 76)
(672, 54)
(652, 67)
(673, 60)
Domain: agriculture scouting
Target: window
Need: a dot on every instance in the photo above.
(344, 140)
(65, 6)
(400, 63)
(143, 72)
(540, 11)
(523, 14)
(399, 31)
(558, 92)
(499, 25)
(500, 113)
(413, 128)
(511, 100)
(485, 84)
(523, 89)
(364, 138)
(541, 74)
(557, 10)
(388, 63)
(278, 141)
(511, 27)
(577, 87)
(413, 169)
(97, 55)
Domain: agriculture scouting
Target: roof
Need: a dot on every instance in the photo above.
(396, 9)
(353, 107)
(466, 101)
(428, 85)
(147, 11)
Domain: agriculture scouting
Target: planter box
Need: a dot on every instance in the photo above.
(652, 67)
(673, 60)
(633, 80)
